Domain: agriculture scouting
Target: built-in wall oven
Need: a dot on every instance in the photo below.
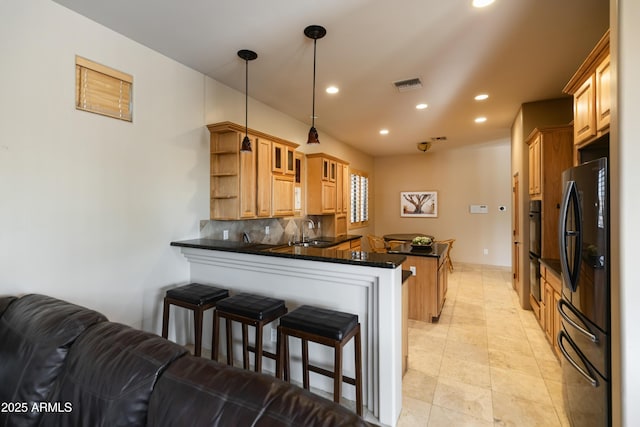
(535, 248)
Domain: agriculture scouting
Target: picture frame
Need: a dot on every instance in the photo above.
(419, 204)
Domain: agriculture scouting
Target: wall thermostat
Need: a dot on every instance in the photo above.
(478, 209)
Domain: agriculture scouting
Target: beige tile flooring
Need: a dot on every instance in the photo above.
(486, 362)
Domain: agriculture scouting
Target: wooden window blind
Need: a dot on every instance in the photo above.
(359, 199)
(103, 90)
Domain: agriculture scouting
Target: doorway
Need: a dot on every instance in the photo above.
(515, 256)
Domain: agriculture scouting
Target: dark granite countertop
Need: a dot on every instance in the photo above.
(370, 259)
(437, 250)
(552, 265)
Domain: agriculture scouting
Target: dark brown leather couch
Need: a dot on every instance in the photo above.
(66, 365)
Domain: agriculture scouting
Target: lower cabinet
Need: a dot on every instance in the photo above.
(349, 245)
(551, 288)
(428, 293)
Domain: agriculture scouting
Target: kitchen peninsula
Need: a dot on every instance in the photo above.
(428, 293)
(362, 283)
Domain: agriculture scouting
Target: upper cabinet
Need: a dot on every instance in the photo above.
(550, 153)
(591, 90)
(326, 184)
(252, 184)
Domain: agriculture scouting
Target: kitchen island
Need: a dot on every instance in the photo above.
(428, 291)
(362, 283)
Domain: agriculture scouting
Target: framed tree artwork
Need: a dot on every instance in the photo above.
(419, 204)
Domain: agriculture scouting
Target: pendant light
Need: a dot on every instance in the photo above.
(247, 55)
(314, 32)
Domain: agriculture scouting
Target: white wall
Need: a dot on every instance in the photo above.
(89, 204)
(477, 174)
(625, 225)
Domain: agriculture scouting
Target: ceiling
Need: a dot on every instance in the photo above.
(514, 50)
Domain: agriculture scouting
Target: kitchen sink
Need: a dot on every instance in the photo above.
(315, 243)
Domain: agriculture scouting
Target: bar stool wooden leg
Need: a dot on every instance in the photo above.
(258, 352)
(229, 342)
(245, 346)
(358, 375)
(305, 363)
(165, 319)
(216, 338)
(337, 379)
(279, 355)
(197, 324)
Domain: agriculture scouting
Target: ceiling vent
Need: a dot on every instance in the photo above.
(438, 139)
(407, 85)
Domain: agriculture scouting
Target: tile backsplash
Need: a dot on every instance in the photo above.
(281, 230)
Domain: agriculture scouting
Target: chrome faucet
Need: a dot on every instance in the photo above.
(305, 221)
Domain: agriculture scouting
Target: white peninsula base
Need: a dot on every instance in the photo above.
(373, 293)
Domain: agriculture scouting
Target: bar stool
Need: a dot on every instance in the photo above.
(196, 297)
(249, 310)
(327, 327)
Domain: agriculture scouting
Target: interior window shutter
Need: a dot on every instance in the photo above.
(103, 90)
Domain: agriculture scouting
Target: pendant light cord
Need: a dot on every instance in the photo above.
(313, 103)
(246, 98)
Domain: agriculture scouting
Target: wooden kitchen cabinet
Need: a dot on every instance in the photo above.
(534, 166)
(283, 190)
(283, 157)
(232, 176)
(243, 185)
(342, 188)
(283, 179)
(550, 153)
(263, 175)
(429, 291)
(325, 184)
(349, 245)
(591, 90)
(299, 189)
(551, 287)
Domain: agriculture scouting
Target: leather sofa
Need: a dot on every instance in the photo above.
(66, 365)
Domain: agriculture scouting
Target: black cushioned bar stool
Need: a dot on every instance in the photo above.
(249, 310)
(196, 297)
(328, 327)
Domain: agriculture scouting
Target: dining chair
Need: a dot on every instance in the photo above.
(378, 244)
(450, 243)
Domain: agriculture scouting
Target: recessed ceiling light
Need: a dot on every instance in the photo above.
(421, 106)
(384, 131)
(332, 90)
(481, 97)
(480, 119)
(482, 3)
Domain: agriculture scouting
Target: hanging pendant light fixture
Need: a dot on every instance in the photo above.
(247, 55)
(314, 32)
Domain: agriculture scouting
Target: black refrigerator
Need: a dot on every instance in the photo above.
(584, 308)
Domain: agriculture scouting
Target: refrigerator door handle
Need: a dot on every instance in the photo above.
(582, 329)
(587, 375)
(570, 272)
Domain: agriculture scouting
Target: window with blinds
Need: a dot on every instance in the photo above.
(359, 198)
(103, 90)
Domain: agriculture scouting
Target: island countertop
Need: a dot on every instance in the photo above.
(436, 251)
(370, 259)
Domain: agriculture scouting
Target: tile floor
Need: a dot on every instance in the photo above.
(486, 362)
